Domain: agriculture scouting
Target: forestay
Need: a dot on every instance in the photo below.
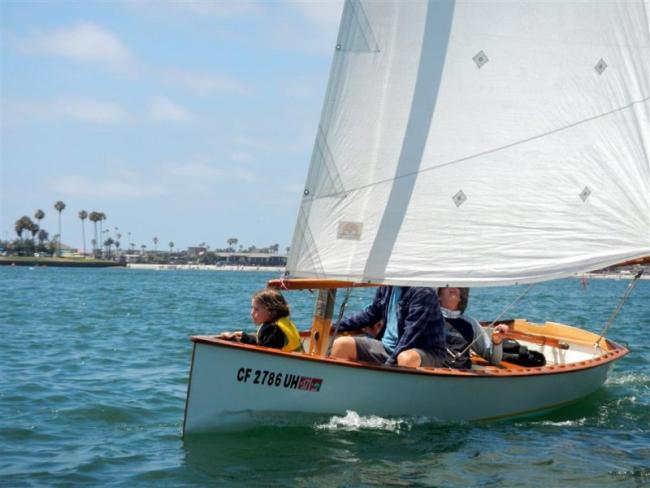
(480, 143)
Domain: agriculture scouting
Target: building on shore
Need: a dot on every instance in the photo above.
(250, 259)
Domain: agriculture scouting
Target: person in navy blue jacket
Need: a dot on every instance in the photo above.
(413, 333)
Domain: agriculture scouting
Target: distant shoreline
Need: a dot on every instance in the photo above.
(56, 262)
(204, 267)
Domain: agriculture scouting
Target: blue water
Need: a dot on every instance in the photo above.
(94, 367)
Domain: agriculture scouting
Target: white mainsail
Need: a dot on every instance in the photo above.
(480, 143)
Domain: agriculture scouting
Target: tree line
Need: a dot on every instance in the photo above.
(40, 238)
(41, 242)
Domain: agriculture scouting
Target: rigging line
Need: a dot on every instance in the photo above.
(367, 25)
(344, 305)
(477, 336)
(473, 156)
(618, 308)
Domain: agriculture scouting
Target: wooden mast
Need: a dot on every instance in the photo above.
(322, 322)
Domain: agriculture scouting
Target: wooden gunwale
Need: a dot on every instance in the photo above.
(499, 371)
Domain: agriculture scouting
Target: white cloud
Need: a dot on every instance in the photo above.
(325, 12)
(205, 83)
(304, 87)
(84, 42)
(201, 173)
(181, 180)
(221, 9)
(164, 110)
(241, 157)
(306, 26)
(272, 146)
(89, 110)
(113, 186)
(82, 109)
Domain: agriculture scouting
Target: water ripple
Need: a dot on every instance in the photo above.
(93, 377)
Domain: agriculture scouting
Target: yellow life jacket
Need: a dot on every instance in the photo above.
(293, 336)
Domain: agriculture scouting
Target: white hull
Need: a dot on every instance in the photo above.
(229, 386)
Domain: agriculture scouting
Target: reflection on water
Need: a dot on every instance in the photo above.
(375, 453)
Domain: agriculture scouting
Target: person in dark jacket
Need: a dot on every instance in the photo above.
(413, 333)
(465, 333)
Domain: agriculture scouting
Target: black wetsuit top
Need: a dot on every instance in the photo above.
(269, 335)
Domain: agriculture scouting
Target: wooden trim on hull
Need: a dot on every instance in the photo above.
(315, 284)
(616, 351)
(633, 262)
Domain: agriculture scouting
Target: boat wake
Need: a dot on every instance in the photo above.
(630, 379)
(352, 421)
(563, 423)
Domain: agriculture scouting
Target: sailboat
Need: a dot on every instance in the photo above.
(461, 143)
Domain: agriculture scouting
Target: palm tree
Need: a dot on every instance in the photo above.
(20, 227)
(171, 247)
(34, 228)
(102, 217)
(155, 243)
(232, 242)
(42, 236)
(108, 243)
(39, 215)
(24, 224)
(104, 236)
(59, 206)
(94, 217)
(83, 215)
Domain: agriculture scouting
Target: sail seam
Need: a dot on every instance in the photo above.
(483, 153)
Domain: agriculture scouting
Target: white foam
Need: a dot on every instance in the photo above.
(563, 423)
(352, 421)
(628, 378)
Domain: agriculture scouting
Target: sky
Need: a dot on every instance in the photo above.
(190, 121)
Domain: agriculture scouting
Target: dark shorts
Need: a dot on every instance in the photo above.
(373, 351)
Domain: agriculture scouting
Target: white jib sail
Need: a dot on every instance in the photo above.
(480, 143)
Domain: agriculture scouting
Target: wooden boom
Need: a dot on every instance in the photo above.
(314, 284)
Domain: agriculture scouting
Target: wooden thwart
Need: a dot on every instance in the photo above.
(536, 339)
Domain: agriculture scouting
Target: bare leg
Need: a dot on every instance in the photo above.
(345, 348)
(409, 358)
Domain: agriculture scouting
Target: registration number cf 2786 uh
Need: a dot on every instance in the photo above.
(278, 379)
